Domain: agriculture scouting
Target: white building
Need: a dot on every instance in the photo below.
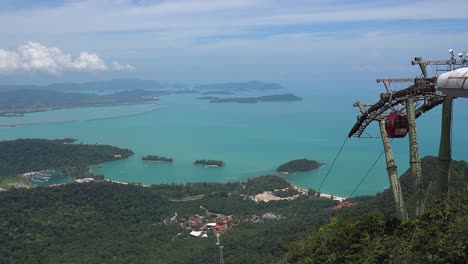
(196, 233)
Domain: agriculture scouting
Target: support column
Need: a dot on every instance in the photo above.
(393, 175)
(415, 160)
(221, 255)
(445, 149)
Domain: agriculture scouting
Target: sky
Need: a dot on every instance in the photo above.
(297, 42)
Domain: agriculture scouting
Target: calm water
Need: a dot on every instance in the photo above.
(253, 139)
(54, 177)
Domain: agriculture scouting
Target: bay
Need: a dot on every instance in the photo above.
(252, 139)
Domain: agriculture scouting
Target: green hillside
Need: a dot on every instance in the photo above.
(437, 236)
(104, 222)
(114, 223)
(369, 232)
(25, 155)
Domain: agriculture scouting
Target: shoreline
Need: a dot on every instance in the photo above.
(322, 195)
(301, 190)
(19, 113)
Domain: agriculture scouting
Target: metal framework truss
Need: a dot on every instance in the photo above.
(423, 92)
(425, 98)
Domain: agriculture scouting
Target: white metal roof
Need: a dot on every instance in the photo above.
(196, 233)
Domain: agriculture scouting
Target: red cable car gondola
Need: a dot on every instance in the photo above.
(396, 125)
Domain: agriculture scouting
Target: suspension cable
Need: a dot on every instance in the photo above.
(367, 173)
(333, 163)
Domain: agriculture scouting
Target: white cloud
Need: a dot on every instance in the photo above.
(9, 61)
(123, 67)
(173, 37)
(89, 62)
(35, 57)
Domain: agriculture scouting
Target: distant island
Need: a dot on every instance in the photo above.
(218, 92)
(130, 84)
(208, 98)
(252, 100)
(17, 100)
(209, 163)
(154, 158)
(185, 91)
(105, 85)
(240, 86)
(20, 102)
(299, 165)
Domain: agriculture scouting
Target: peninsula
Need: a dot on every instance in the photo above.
(252, 100)
(20, 102)
(154, 158)
(299, 165)
(30, 157)
(210, 163)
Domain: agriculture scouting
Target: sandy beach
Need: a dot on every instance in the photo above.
(323, 195)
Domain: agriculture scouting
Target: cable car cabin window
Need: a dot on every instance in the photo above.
(401, 122)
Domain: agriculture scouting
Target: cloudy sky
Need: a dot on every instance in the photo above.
(224, 40)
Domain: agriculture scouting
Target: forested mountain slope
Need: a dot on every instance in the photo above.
(25, 155)
(438, 236)
(369, 233)
(105, 222)
(114, 223)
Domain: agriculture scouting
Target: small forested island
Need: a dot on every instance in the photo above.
(208, 98)
(154, 158)
(209, 163)
(299, 165)
(268, 98)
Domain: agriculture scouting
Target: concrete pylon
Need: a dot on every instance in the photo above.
(415, 160)
(393, 175)
(445, 148)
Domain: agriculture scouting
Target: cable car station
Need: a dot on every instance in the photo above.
(397, 111)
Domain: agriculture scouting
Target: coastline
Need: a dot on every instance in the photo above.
(322, 195)
(4, 113)
(301, 190)
(119, 182)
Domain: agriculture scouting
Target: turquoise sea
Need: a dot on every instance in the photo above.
(253, 139)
